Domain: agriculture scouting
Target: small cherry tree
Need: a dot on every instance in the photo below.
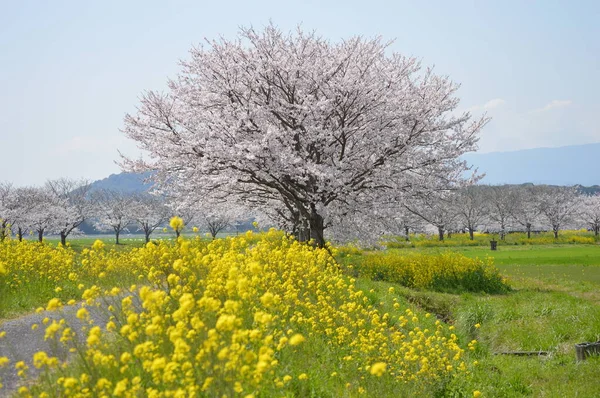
(72, 203)
(526, 209)
(43, 212)
(557, 206)
(149, 212)
(472, 208)
(588, 212)
(113, 211)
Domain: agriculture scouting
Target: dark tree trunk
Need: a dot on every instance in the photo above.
(317, 227)
(63, 238)
(3, 231)
(177, 233)
(596, 229)
(555, 230)
(528, 231)
(406, 231)
(147, 234)
(471, 230)
(20, 234)
(441, 233)
(40, 235)
(117, 233)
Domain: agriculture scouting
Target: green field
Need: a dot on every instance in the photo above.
(554, 304)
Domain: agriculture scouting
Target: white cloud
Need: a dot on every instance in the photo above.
(491, 104)
(553, 105)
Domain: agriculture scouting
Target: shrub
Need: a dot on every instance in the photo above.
(447, 271)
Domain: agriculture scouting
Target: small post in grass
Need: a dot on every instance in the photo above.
(584, 350)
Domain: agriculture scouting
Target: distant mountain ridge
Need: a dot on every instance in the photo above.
(568, 165)
(127, 183)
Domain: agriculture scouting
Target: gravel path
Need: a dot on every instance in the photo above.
(21, 342)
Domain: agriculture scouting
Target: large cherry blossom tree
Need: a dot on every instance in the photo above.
(314, 125)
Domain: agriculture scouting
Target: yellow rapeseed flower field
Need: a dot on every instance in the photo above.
(254, 315)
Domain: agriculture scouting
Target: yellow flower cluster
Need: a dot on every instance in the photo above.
(254, 315)
(24, 263)
(481, 239)
(444, 271)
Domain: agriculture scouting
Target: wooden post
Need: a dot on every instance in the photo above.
(584, 350)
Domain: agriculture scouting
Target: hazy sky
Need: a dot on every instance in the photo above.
(70, 70)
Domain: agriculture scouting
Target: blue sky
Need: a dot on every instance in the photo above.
(70, 70)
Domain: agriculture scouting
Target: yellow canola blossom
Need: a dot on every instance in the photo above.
(242, 316)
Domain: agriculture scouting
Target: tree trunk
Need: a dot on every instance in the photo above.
(147, 233)
(441, 233)
(63, 238)
(40, 235)
(317, 227)
(20, 234)
(177, 233)
(471, 230)
(449, 233)
(117, 233)
(406, 231)
(528, 231)
(3, 231)
(555, 230)
(596, 230)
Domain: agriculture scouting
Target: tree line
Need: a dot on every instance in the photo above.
(502, 209)
(61, 206)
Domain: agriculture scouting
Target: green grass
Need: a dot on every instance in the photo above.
(554, 304)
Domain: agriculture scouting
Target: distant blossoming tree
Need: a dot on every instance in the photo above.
(293, 118)
(149, 212)
(557, 205)
(73, 204)
(114, 211)
(588, 211)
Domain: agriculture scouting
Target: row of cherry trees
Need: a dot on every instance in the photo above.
(61, 206)
(502, 209)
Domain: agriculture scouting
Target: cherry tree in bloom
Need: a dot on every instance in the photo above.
(526, 209)
(439, 210)
(44, 210)
(73, 205)
(471, 208)
(557, 206)
(588, 211)
(113, 211)
(149, 212)
(6, 209)
(314, 125)
(501, 203)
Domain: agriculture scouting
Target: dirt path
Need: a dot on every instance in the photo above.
(21, 342)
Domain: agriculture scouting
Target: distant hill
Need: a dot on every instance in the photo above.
(568, 165)
(127, 183)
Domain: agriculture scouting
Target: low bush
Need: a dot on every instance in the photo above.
(447, 271)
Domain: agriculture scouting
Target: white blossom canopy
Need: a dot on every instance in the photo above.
(300, 120)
